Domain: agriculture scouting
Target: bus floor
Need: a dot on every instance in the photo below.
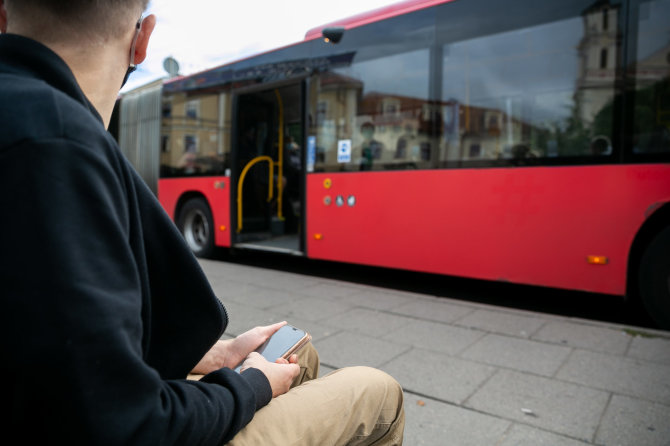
(288, 244)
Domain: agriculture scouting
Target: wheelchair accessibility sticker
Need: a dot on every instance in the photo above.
(344, 151)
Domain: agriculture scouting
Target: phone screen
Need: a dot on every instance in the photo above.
(280, 343)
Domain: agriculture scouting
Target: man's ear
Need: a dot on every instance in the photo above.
(148, 25)
(3, 17)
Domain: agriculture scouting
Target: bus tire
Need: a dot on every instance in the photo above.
(654, 278)
(196, 225)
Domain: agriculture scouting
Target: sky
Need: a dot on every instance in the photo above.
(202, 34)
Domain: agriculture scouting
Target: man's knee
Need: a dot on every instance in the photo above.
(380, 404)
(372, 374)
(376, 385)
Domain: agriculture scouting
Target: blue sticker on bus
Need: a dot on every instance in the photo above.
(311, 153)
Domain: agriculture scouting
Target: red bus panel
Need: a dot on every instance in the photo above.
(497, 224)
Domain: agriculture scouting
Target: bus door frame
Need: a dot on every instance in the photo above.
(302, 83)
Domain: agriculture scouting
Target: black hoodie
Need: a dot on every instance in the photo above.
(104, 308)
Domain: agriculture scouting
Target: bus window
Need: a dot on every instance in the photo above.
(378, 106)
(195, 134)
(651, 71)
(528, 90)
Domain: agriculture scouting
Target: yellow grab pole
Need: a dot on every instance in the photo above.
(280, 158)
(240, 183)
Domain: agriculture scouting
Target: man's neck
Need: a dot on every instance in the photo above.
(95, 66)
(90, 67)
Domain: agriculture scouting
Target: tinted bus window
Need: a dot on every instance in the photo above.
(374, 113)
(651, 74)
(523, 83)
(195, 134)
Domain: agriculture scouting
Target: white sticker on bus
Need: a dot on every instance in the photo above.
(344, 151)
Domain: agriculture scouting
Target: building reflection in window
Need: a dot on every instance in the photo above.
(195, 134)
(383, 115)
(651, 74)
(531, 93)
(543, 92)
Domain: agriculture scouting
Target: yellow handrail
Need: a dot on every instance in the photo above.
(280, 169)
(280, 157)
(240, 183)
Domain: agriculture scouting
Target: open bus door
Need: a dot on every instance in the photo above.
(268, 178)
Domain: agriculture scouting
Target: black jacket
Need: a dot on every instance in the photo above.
(104, 308)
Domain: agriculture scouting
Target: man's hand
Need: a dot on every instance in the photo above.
(280, 373)
(231, 352)
(249, 341)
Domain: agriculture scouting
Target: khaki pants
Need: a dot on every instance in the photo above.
(350, 406)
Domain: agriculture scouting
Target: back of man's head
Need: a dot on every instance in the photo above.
(69, 20)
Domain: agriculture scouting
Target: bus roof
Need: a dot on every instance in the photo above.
(361, 19)
(375, 15)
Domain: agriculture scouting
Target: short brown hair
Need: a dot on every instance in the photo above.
(82, 17)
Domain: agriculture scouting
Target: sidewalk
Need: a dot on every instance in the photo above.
(473, 374)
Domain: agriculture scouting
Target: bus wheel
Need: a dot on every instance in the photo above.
(196, 225)
(654, 278)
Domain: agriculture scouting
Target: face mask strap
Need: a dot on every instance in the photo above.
(132, 66)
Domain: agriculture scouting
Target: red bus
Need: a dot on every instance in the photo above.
(496, 140)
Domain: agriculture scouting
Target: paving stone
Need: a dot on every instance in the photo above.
(433, 310)
(559, 407)
(502, 322)
(349, 349)
(215, 268)
(440, 376)
(222, 273)
(429, 422)
(434, 336)
(262, 297)
(329, 290)
(366, 321)
(520, 435)
(651, 349)
(310, 308)
(228, 290)
(232, 272)
(633, 377)
(587, 337)
(630, 421)
(242, 318)
(377, 299)
(518, 354)
(285, 281)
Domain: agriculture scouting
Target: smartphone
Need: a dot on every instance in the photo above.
(285, 342)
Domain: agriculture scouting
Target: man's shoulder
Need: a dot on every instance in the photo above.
(31, 109)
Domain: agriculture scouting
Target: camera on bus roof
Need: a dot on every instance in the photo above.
(333, 34)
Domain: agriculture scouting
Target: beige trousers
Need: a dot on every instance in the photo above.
(350, 406)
